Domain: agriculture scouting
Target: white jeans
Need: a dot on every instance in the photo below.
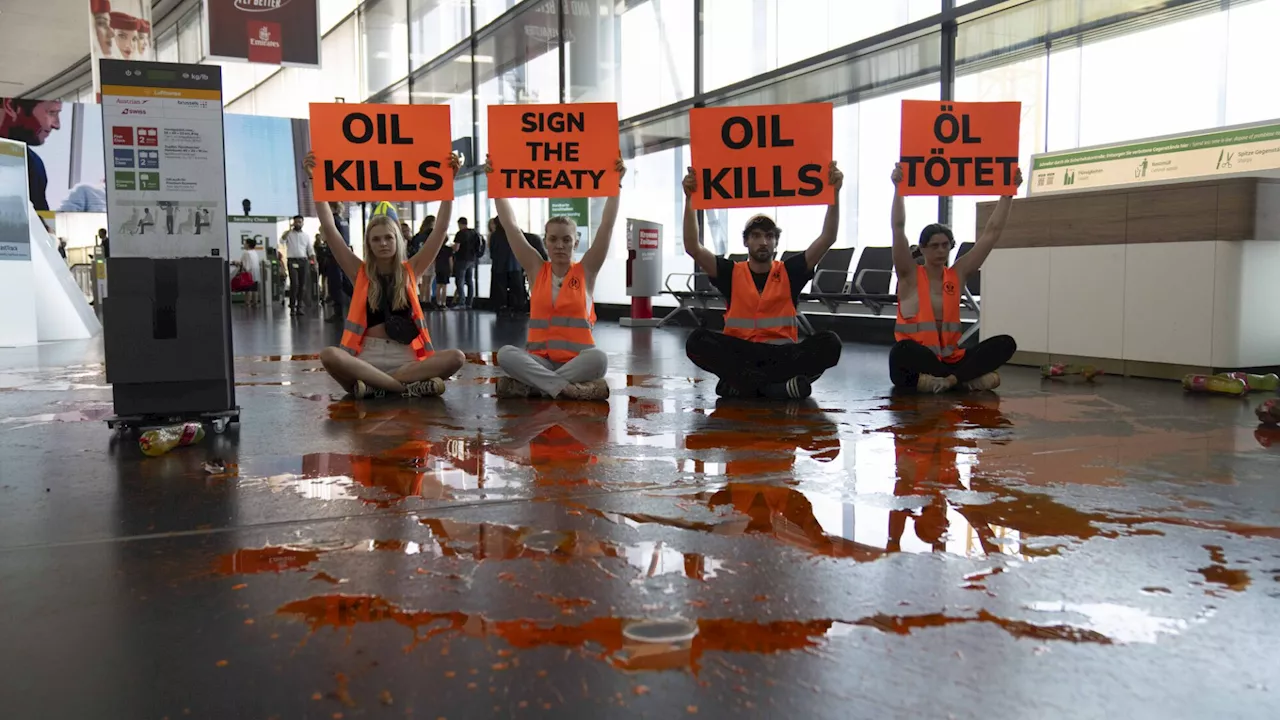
(550, 377)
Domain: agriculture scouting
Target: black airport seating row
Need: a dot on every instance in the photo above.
(834, 289)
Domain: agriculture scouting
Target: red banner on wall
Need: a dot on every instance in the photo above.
(272, 32)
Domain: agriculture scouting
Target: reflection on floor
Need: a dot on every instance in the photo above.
(1055, 550)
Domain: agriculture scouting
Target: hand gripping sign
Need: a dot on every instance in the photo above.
(381, 152)
(954, 148)
(553, 151)
(761, 155)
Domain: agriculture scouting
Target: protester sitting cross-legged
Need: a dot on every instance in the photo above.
(385, 344)
(759, 354)
(927, 355)
(560, 358)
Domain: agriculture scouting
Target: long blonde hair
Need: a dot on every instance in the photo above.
(399, 293)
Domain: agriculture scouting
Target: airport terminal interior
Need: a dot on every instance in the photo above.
(208, 509)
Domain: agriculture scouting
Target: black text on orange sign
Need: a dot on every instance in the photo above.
(360, 175)
(761, 131)
(567, 151)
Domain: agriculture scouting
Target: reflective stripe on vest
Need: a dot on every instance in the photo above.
(354, 329)
(765, 317)
(940, 336)
(560, 329)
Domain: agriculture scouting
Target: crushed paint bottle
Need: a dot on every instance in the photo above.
(1268, 382)
(1056, 370)
(161, 440)
(1268, 412)
(1214, 384)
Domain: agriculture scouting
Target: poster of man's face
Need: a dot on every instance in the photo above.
(62, 178)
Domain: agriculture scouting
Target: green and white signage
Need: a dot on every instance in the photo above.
(1234, 151)
(579, 211)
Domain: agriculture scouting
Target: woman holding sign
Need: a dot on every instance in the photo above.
(560, 358)
(385, 344)
(927, 356)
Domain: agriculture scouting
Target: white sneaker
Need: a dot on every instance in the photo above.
(933, 384)
(990, 381)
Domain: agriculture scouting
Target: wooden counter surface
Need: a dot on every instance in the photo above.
(1225, 209)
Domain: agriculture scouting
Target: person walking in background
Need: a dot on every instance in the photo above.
(467, 249)
(499, 255)
(440, 282)
(337, 287)
(104, 242)
(251, 262)
(299, 252)
(62, 247)
(415, 244)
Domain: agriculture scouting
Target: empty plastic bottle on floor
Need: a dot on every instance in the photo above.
(161, 440)
(1088, 372)
(1269, 412)
(1268, 382)
(1214, 384)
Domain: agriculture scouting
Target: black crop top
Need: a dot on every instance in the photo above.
(376, 316)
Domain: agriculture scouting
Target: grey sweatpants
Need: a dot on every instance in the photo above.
(549, 377)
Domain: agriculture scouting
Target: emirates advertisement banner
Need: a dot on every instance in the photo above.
(271, 32)
(119, 30)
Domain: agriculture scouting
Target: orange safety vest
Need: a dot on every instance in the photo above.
(559, 330)
(943, 338)
(767, 317)
(355, 328)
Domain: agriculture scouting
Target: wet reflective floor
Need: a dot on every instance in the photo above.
(1055, 549)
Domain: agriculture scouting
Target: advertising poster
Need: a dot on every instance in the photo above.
(119, 30)
(163, 141)
(272, 32)
(243, 228)
(15, 229)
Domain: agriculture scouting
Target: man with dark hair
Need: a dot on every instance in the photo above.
(928, 356)
(467, 248)
(105, 242)
(31, 121)
(298, 251)
(760, 354)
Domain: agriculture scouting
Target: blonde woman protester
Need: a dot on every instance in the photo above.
(385, 344)
(559, 358)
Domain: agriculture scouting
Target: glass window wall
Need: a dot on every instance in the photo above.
(384, 31)
(436, 26)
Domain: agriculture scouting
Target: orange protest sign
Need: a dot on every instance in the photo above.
(381, 152)
(761, 155)
(553, 151)
(959, 148)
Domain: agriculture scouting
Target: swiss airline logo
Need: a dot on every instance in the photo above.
(265, 42)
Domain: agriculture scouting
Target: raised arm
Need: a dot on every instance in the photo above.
(594, 257)
(831, 226)
(973, 259)
(903, 263)
(346, 259)
(426, 255)
(528, 258)
(702, 257)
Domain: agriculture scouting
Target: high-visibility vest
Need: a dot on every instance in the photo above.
(943, 338)
(355, 328)
(767, 317)
(559, 330)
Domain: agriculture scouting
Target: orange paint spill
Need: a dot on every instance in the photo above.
(603, 637)
(267, 559)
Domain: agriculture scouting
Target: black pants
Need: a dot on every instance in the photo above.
(908, 360)
(337, 294)
(748, 366)
(299, 281)
(517, 297)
